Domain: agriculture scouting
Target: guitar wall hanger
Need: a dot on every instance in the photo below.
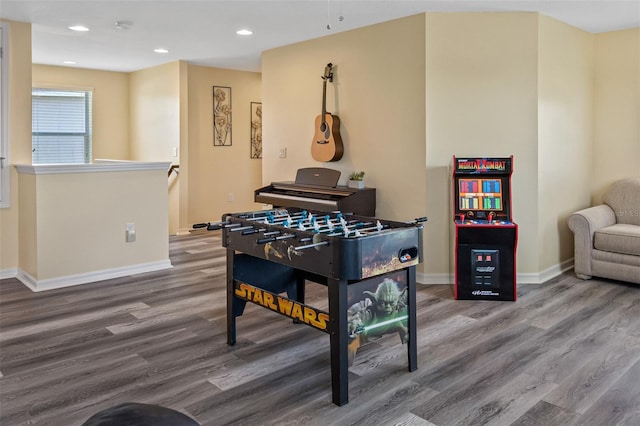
(328, 73)
(327, 143)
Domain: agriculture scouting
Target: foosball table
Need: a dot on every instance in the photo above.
(367, 264)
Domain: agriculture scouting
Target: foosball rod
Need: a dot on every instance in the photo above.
(271, 239)
(282, 219)
(308, 246)
(307, 218)
(269, 234)
(356, 225)
(241, 228)
(377, 228)
(253, 230)
(330, 224)
(277, 216)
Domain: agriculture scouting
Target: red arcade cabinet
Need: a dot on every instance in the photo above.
(485, 235)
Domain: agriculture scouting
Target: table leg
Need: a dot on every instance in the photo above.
(412, 344)
(339, 340)
(231, 318)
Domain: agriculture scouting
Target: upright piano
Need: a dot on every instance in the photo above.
(316, 188)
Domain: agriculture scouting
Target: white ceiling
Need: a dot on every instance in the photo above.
(203, 31)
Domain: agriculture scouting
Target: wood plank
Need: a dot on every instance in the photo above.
(543, 413)
(583, 388)
(620, 405)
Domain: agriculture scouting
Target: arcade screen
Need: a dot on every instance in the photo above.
(480, 194)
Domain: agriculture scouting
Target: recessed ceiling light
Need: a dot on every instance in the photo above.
(161, 50)
(69, 62)
(244, 31)
(79, 28)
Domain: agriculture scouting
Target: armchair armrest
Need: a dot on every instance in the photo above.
(584, 224)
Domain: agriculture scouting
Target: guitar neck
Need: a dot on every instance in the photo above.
(324, 99)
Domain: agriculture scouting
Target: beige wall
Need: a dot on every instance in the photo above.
(154, 99)
(172, 109)
(481, 101)
(179, 187)
(155, 132)
(617, 109)
(378, 93)
(215, 172)
(72, 224)
(565, 136)
(107, 207)
(110, 104)
(28, 224)
(19, 116)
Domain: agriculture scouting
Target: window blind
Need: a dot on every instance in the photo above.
(61, 126)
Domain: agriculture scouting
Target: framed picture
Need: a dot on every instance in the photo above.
(222, 116)
(256, 129)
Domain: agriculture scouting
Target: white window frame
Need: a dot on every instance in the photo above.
(5, 169)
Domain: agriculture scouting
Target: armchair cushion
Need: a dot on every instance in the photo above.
(619, 238)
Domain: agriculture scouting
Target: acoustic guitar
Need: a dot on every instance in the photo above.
(327, 143)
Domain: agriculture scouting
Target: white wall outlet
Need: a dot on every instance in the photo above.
(230, 197)
(174, 151)
(282, 153)
(130, 232)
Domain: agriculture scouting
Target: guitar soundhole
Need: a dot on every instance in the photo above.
(323, 127)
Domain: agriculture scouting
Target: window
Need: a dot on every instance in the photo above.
(61, 126)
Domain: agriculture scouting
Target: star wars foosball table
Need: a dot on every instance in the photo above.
(367, 264)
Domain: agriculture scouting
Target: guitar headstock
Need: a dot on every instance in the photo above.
(328, 72)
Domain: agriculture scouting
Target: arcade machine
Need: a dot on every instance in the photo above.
(485, 235)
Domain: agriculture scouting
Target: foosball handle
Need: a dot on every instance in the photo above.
(421, 219)
(211, 226)
(252, 231)
(265, 240)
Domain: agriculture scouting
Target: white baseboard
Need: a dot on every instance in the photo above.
(183, 231)
(90, 277)
(421, 278)
(522, 278)
(434, 278)
(8, 273)
(546, 275)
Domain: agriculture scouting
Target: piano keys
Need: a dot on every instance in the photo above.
(315, 188)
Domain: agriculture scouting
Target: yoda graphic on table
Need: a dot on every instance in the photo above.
(379, 313)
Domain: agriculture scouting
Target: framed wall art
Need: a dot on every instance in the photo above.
(256, 129)
(222, 116)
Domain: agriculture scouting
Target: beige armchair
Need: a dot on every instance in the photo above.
(607, 236)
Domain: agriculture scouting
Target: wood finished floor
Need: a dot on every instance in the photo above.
(566, 353)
